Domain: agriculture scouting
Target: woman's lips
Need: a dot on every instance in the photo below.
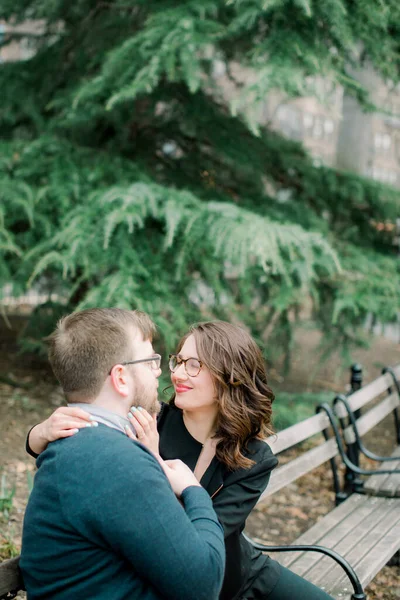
(179, 389)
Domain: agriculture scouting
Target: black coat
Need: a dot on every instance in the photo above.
(234, 495)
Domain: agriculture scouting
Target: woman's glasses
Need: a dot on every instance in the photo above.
(192, 365)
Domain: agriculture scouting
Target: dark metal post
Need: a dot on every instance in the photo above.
(351, 480)
(356, 382)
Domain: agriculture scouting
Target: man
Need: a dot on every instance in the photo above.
(103, 520)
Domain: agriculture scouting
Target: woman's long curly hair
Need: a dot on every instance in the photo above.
(245, 400)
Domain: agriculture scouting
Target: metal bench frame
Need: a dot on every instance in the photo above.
(10, 579)
(351, 453)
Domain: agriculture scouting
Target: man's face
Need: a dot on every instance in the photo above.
(145, 378)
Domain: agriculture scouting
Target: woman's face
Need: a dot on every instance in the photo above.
(193, 393)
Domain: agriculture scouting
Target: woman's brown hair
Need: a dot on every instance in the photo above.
(245, 400)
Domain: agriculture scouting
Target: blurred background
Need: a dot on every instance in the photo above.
(231, 159)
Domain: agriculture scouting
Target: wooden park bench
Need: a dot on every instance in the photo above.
(358, 414)
(362, 533)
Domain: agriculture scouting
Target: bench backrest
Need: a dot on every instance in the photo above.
(327, 449)
(361, 399)
(308, 461)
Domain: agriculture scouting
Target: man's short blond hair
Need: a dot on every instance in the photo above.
(87, 344)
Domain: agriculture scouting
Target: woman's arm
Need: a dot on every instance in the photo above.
(64, 422)
(241, 492)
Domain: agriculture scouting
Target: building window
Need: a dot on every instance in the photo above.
(329, 127)
(382, 142)
(318, 129)
(289, 121)
(308, 120)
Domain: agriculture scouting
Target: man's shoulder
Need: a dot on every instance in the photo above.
(94, 444)
(88, 459)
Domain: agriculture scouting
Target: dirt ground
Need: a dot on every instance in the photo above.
(280, 521)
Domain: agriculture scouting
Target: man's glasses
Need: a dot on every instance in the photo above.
(192, 365)
(154, 362)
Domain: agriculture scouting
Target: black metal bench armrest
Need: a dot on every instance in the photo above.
(11, 594)
(349, 464)
(10, 579)
(360, 445)
(396, 412)
(351, 574)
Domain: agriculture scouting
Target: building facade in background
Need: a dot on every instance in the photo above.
(331, 125)
(23, 44)
(315, 123)
(369, 143)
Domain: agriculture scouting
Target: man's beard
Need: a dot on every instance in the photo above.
(146, 399)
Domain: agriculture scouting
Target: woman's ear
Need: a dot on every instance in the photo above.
(120, 380)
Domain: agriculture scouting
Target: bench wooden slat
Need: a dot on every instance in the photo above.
(360, 539)
(10, 577)
(386, 547)
(371, 418)
(331, 530)
(372, 553)
(366, 394)
(299, 466)
(387, 485)
(396, 371)
(298, 433)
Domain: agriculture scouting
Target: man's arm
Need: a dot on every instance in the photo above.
(177, 550)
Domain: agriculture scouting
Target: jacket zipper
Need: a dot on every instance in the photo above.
(216, 491)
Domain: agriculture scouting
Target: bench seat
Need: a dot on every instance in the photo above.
(365, 530)
(385, 485)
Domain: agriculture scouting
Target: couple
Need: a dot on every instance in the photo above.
(103, 519)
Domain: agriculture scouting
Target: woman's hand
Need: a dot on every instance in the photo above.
(64, 422)
(145, 426)
(179, 475)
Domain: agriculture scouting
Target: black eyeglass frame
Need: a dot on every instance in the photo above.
(155, 358)
(184, 361)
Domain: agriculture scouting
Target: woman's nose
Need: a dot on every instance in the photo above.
(179, 373)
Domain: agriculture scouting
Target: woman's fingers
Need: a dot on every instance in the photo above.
(129, 433)
(72, 411)
(141, 420)
(140, 433)
(67, 433)
(68, 422)
(145, 427)
(65, 419)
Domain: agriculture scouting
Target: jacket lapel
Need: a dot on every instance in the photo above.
(213, 478)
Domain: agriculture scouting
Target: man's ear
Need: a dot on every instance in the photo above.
(120, 380)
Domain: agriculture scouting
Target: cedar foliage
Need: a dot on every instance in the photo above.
(126, 180)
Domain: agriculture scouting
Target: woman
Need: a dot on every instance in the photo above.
(215, 423)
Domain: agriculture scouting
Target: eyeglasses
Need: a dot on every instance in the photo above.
(192, 365)
(155, 362)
